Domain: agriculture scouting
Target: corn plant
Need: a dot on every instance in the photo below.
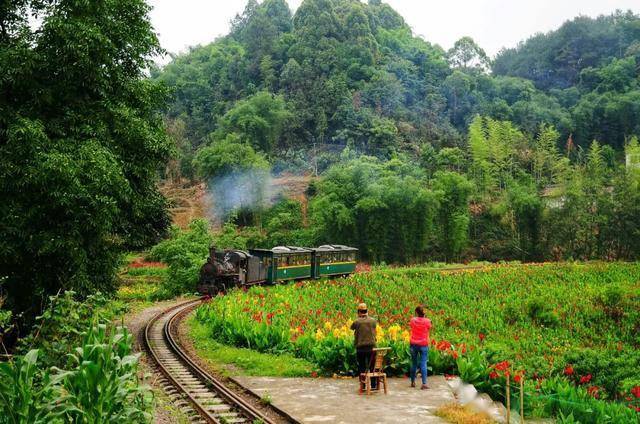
(21, 399)
(103, 385)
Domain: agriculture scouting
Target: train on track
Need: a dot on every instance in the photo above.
(225, 269)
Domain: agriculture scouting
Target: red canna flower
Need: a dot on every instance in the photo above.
(593, 391)
(493, 375)
(636, 391)
(454, 354)
(481, 336)
(517, 378)
(585, 379)
(314, 374)
(502, 366)
(443, 345)
(568, 370)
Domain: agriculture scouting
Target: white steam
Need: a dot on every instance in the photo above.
(240, 190)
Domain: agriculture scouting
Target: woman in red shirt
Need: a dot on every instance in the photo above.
(419, 346)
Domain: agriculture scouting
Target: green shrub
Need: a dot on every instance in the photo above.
(184, 253)
(562, 398)
(610, 369)
(540, 313)
(62, 324)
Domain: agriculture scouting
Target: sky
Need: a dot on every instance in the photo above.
(492, 23)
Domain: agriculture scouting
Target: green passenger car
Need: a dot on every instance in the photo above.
(285, 263)
(333, 259)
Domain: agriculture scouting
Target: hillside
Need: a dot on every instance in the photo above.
(348, 73)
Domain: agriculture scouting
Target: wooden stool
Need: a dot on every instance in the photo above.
(377, 357)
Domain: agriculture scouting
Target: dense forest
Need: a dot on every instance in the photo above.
(530, 156)
(346, 72)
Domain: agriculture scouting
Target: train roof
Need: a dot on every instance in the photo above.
(335, 248)
(283, 249)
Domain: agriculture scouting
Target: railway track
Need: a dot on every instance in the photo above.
(199, 395)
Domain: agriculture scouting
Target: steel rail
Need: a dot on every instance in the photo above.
(209, 397)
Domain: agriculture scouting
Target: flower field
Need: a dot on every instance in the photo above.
(557, 326)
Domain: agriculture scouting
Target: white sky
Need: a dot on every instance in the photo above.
(492, 23)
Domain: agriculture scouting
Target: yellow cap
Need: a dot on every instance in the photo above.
(362, 307)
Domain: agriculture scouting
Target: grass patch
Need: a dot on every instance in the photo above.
(141, 281)
(459, 414)
(140, 290)
(244, 361)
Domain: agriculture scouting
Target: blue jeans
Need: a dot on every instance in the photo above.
(423, 352)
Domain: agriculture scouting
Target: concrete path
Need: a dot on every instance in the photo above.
(327, 400)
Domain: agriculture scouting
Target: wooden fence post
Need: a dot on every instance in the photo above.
(522, 399)
(508, 401)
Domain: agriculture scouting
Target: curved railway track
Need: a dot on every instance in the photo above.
(201, 396)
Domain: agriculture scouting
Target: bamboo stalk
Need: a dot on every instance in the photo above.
(522, 399)
(508, 401)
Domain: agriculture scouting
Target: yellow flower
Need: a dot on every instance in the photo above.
(406, 336)
(319, 334)
(327, 325)
(394, 331)
(380, 332)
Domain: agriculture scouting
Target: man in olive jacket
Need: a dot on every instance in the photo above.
(364, 330)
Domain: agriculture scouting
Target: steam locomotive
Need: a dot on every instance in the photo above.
(225, 269)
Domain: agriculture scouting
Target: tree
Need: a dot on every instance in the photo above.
(237, 176)
(525, 206)
(257, 120)
(467, 55)
(80, 144)
(546, 157)
(228, 156)
(453, 215)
